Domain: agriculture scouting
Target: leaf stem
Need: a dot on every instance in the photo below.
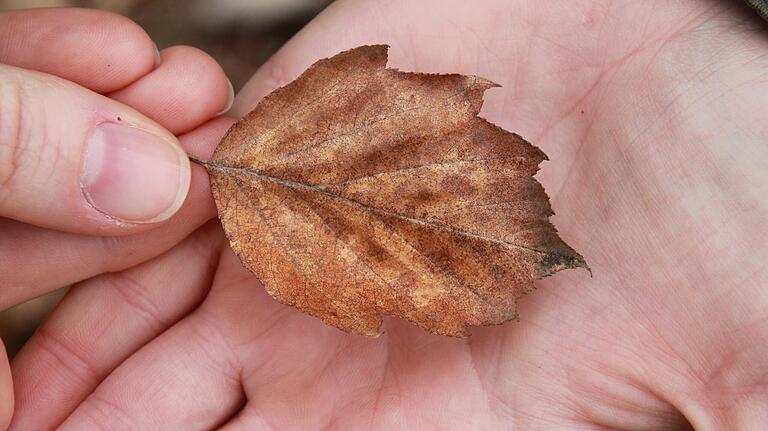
(202, 163)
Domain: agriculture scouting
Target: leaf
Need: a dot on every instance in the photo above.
(358, 191)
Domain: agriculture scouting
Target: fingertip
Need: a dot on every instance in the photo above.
(203, 89)
(128, 53)
(192, 85)
(54, 40)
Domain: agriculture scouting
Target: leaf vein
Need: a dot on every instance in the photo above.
(288, 119)
(380, 211)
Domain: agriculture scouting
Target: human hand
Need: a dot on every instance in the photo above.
(651, 113)
(91, 173)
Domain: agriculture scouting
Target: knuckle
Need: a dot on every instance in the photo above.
(70, 360)
(134, 294)
(100, 412)
(216, 346)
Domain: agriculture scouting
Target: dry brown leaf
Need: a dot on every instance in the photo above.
(358, 191)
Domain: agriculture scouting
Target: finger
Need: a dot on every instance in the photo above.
(186, 379)
(74, 160)
(6, 389)
(103, 321)
(35, 260)
(99, 50)
(193, 86)
(246, 420)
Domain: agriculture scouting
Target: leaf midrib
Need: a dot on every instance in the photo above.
(296, 185)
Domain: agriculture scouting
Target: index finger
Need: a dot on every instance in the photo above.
(99, 50)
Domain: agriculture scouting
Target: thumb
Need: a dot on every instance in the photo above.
(74, 160)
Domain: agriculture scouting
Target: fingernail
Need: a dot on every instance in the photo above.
(230, 100)
(132, 175)
(158, 58)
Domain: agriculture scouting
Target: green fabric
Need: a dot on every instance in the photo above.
(761, 6)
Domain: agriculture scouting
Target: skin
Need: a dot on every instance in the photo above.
(121, 63)
(651, 115)
(103, 55)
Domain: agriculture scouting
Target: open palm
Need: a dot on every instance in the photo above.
(653, 116)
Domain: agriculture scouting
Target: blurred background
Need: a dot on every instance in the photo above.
(240, 34)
